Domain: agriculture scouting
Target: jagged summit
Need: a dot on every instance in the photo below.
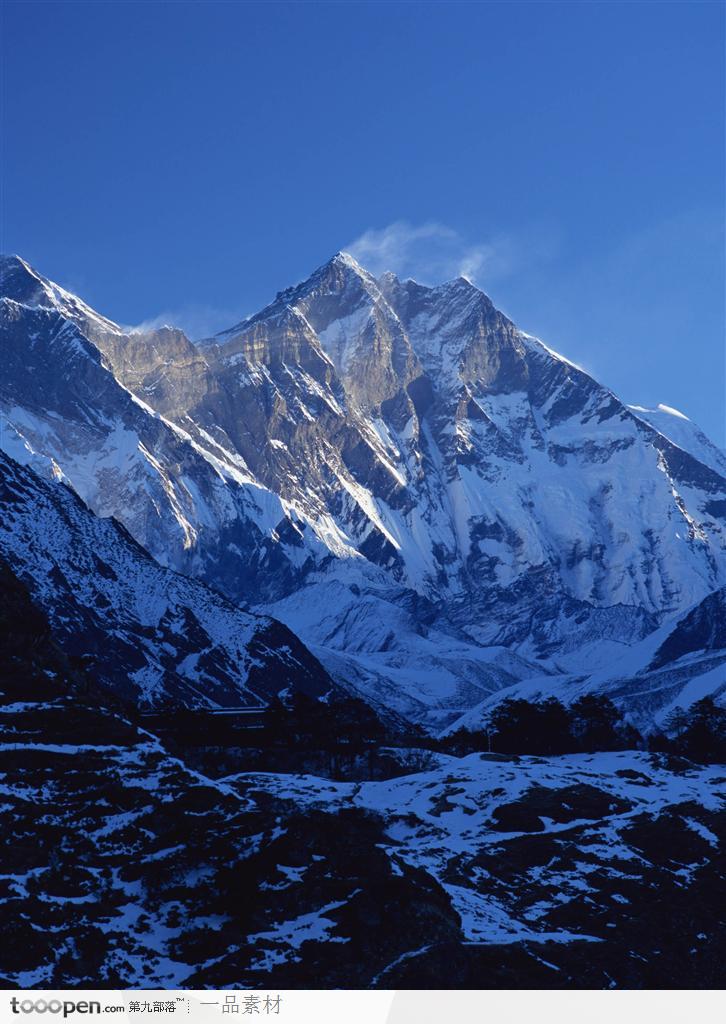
(341, 309)
(20, 282)
(341, 260)
(457, 291)
(9, 261)
(338, 271)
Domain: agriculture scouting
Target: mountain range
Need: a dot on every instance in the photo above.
(442, 509)
(263, 596)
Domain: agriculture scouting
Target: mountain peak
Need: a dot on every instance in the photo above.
(18, 280)
(24, 285)
(12, 260)
(460, 284)
(341, 263)
(343, 258)
(336, 274)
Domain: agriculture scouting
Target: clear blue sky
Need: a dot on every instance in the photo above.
(192, 159)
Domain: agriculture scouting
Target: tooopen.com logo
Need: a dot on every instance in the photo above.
(65, 1007)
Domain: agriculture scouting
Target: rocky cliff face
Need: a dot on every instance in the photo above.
(435, 501)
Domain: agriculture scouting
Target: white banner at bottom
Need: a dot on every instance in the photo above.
(365, 1007)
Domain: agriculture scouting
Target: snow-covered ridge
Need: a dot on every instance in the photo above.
(152, 635)
(683, 432)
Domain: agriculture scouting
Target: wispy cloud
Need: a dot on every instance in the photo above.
(433, 252)
(197, 322)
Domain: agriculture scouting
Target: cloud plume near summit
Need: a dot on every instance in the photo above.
(431, 252)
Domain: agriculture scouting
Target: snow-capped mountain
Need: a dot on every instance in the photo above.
(436, 502)
(150, 635)
(63, 411)
(448, 513)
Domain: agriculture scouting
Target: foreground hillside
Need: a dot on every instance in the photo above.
(123, 867)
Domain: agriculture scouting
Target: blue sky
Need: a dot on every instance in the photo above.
(189, 160)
